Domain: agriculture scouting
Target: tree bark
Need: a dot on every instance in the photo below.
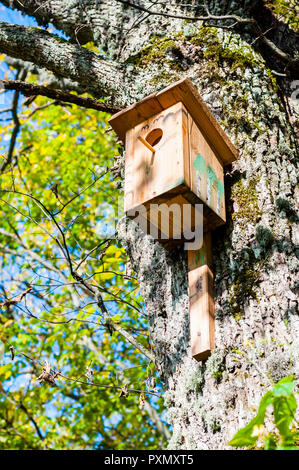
(64, 59)
(255, 263)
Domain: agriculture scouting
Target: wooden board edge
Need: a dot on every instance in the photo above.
(186, 92)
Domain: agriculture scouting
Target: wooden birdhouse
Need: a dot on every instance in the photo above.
(175, 155)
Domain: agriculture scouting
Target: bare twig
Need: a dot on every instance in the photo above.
(29, 89)
(82, 191)
(14, 110)
(94, 290)
(31, 418)
(291, 63)
(93, 384)
(209, 16)
(39, 108)
(16, 300)
(27, 412)
(106, 242)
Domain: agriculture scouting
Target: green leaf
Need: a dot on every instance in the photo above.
(270, 443)
(284, 387)
(244, 437)
(284, 411)
(284, 406)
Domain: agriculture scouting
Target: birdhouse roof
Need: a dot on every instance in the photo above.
(182, 91)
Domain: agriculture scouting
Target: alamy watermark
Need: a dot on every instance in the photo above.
(163, 221)
(295, 87)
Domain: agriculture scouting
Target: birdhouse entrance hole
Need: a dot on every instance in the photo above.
(154, 137)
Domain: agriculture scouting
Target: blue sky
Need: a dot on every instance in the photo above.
(13, 17)
(16, 17)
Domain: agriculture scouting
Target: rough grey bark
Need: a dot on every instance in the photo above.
(255, 263)
(61, 57)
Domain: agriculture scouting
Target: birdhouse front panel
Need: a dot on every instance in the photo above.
(157, 158)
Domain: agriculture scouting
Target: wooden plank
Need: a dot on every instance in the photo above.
(129, 172)
(152, 174)
(185, 91)
(186, 146)
(197, 258)
(201, 301)
(145, 142)
(130, 117)
(207, 177)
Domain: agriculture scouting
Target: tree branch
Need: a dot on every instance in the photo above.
(208, 16)
(291, 63)
(27, 412)
(73, 21)
(133, 341)
(92, 384)
(152, 413)
(157, 420)
(83, 27)
(7, 160)
(29, 89)
(14, 110)
(99, 76)
(45, 76)
(31, 418)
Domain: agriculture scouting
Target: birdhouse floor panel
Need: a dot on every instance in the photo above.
(178, 196)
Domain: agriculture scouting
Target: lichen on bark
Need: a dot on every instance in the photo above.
(254, 257)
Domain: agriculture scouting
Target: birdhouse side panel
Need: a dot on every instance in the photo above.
(207, 176)
(157, 157)
(129, 183)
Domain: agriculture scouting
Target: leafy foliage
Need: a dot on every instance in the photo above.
(58, 199)
(284, 404)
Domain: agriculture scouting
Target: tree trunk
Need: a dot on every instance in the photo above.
(254, 254)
